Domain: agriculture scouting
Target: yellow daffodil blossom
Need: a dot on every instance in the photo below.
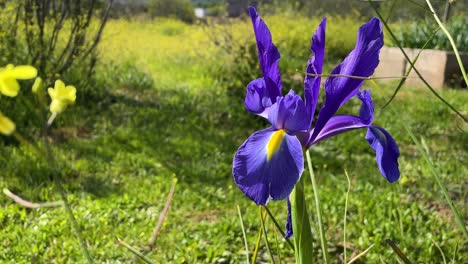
(37, 85)
(62, 96)
(7, 127)
(9, 75)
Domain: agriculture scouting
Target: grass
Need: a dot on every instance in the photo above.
(120, 153)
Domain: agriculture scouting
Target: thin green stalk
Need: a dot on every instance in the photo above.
(278, 227)
(435, 174)
(440, 250)
(243, 234)
(134, 251)
(434, 92)
(454, 254)
(303, 248)
(257, 246)
(323, 240)
(265, 235)
(454, 47)
(344, 218)
(63, 195)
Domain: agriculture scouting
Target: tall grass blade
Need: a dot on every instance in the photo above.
(358, 256)
(134, 251)
(265, 235)
(344, 217)
(243, 234)
(440, 250)
(435, 174)
(323, 239)
(398, 251)
(257, 246)
(449, 36)
(412, 65)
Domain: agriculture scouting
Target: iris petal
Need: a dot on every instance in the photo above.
(362, 61)
(289, 230)
(386, 151)
(261, 178)
(314, 66)
(257, 99)
(342, 123)
(289, 113)
(268, 55)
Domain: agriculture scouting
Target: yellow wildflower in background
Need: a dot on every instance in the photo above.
(9, 75)
(37, 85)
(7, 127)
(62, 96)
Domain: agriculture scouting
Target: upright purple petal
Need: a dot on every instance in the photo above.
(268, 55)
(289, 113)
(342, 123)
(386, 151)
(362, 61)
(262, 175)
(314, 66)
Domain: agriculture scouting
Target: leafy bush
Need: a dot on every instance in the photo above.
(415, 34)
(181, 9)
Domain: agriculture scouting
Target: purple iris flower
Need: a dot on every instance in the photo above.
(270, 162)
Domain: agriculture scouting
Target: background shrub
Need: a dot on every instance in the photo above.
(415, 34)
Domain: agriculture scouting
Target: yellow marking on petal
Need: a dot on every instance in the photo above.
(275, 143)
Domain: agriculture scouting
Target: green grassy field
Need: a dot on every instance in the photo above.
(120, 153)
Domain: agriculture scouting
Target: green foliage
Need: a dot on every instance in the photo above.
(180, 9)
(415, 34)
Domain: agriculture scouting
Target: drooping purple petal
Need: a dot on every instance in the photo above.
(289, 230)
(262, 177)
(342, 123)
(386, 151)
(268, 55)
(289, 113)
(314, 66)
(362, 62)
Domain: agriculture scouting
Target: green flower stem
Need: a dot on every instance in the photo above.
(323, 240)
(301, 226)
(454, 47)
(63, 195)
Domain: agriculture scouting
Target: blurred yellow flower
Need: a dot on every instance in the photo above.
(7, 127)
(37, 86)
(9, 75)
(62, 96)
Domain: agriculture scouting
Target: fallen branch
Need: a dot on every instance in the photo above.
(29, 204)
